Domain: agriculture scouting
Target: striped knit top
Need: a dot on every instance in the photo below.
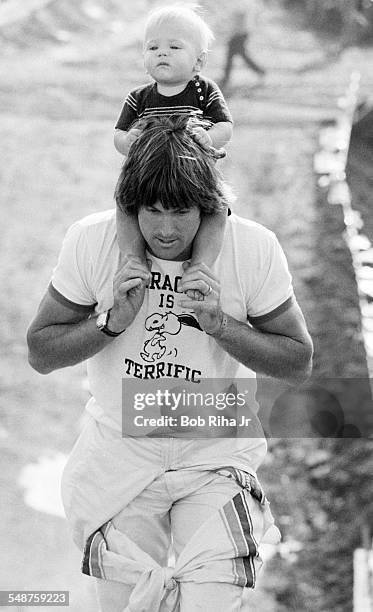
(201, 97)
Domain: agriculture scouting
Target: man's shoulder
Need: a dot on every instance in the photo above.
(102, 218)
(243, 228)
(96, 226)
(248, 241)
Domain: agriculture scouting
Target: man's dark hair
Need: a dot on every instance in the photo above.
(165, 163)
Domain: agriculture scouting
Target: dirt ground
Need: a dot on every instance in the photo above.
(58, 104)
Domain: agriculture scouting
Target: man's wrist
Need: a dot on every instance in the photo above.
(108, 325)
(218, 331)
(114, 326)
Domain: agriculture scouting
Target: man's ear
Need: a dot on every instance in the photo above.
(200, 61)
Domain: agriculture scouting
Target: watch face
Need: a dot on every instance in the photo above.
(101, 320)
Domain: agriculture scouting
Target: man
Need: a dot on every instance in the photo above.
(125, 496)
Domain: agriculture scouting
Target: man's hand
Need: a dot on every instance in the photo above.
(199, 278)
(280, 347)
(129, 286)
(60, 336)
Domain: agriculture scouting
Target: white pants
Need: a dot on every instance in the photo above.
(154, 493)
(169, 511)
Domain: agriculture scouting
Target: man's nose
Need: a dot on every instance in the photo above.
(167, 227)
(162, 51)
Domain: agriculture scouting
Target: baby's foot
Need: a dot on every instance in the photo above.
(195, 294)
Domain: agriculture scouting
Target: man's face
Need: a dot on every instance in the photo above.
(169, 234)
(170, 53)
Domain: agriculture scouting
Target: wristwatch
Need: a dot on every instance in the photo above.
(102, 324)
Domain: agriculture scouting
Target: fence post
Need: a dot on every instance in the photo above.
(363, 580)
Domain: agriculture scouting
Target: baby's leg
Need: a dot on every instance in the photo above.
(207, 243)
(130, 239)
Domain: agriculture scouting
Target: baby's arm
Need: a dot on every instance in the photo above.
(130, 239)
(217, 136)
(220, 133)
(216, 110)
(124, 140)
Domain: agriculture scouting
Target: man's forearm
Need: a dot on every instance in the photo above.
(59, 346)
(266, 353)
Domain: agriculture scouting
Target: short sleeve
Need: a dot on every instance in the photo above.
(72, 277)
(216, 107)
(128, 114)
(273, 292)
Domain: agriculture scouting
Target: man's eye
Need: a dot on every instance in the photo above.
(183, 211)
(152, 48)
(175, 47)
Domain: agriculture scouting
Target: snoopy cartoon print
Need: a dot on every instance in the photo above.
(162, 326)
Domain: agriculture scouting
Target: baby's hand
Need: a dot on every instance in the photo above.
(202, 137)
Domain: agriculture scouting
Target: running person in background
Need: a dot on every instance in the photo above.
(176, 44)
(242, 19)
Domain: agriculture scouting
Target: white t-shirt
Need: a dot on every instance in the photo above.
(165, 341)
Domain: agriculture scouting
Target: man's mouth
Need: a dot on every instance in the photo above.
(166, 242)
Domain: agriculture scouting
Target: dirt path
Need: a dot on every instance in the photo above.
(58, 101)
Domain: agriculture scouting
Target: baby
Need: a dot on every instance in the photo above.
(175, 51)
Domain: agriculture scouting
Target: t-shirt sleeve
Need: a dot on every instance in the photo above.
(72, 278)
(273, 292)
(216, 107)
(128, 114)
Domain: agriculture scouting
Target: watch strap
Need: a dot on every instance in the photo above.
(105, 330)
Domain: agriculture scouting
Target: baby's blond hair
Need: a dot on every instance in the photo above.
(185, 14)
